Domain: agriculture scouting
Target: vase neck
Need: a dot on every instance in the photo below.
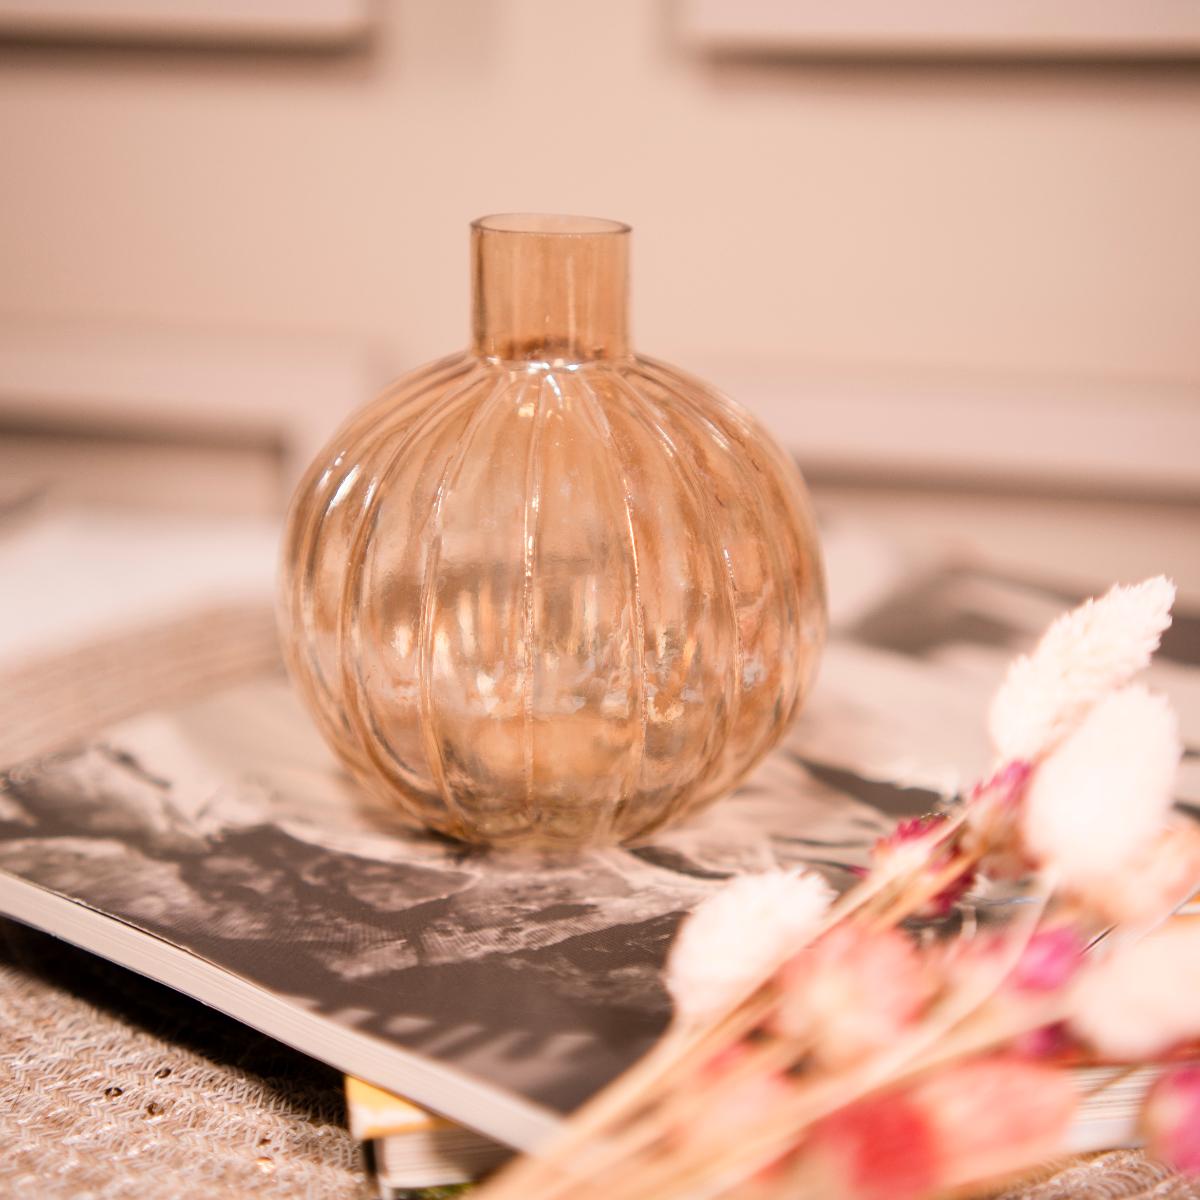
(549, 288)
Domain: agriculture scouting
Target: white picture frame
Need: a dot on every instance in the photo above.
(98, 393)
(1081, 436)
(932, 28)
(283, 23)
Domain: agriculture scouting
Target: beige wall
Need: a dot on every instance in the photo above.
(1039, 219)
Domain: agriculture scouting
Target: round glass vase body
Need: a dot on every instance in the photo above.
(547, 590)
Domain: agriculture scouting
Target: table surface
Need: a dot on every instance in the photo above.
(115, 1086)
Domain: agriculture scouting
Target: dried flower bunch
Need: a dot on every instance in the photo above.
(839, 1047)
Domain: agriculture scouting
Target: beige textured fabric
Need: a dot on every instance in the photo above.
(111, 1086)
(1117, 1175)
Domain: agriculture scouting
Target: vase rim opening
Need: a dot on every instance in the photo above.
(550, 224)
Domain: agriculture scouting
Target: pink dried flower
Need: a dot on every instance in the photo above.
(1103, 796)
(993, 1112)
(1170, 1120)
(1141, 1000)
(738, 934)
(912, 837)
(740, 1105)
(1080, 658)
(882, 1148)
(1049, 1041)
(726, 1060)
(852, 993)
(967, 1123)
(942, 902)
(908, 844)
(742, 1095)
(913, 829)
(1021, 975)
(1003, 789)
(1050, 959)
(992, 826)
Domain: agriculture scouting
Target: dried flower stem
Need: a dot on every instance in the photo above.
(912, 900)
(903, 888)
(683, 1048)
(802, 1055)
(664, 1173)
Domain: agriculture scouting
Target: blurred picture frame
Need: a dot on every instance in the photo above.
(1054, 29)
(1055, 433)
(171, 419)
(310, 24)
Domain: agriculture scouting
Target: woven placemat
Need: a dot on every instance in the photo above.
(1116, 1175)
(50, 702)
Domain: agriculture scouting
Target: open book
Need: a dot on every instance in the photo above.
(220, 849)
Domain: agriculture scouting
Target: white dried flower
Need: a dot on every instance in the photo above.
(1155, 882)
(738, 934)
(1142, 1000)
(1084, 654)
(1102, 798)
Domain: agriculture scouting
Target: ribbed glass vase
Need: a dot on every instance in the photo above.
(547, 590)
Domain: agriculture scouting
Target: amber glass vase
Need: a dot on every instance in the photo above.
(547, 590)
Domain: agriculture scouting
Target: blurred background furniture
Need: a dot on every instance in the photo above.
(300, 24)
(948, 275)
(1059, 29)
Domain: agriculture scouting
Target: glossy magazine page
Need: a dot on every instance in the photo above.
(221, 849)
